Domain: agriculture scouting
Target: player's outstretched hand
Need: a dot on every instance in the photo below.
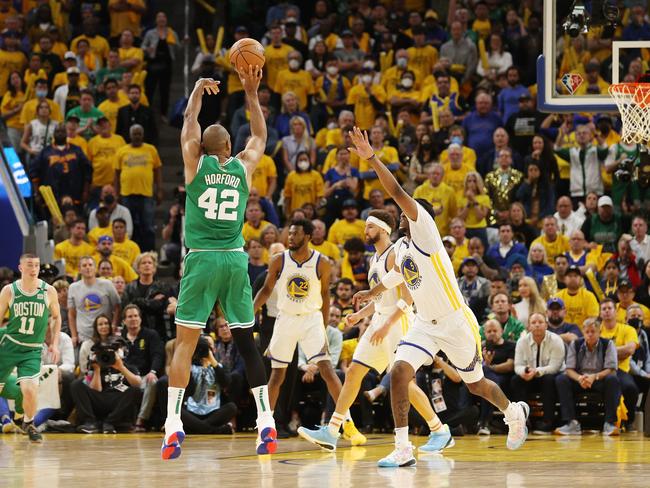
(362, 297)
(361, 143)
(251, 79)
(208, 85)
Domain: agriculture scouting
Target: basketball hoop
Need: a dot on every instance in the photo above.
(633, 101)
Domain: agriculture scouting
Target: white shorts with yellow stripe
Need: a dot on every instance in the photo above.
(456, 334)
(381, 356)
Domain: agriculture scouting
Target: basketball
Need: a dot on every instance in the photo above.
(246, 52)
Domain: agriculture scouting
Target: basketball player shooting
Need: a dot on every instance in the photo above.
(216, 266)
(443, 321)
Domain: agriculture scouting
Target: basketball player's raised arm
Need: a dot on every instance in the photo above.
(256, 144)
(191, 132)
(269, 283)
(364, 150)
(55, 323)
(325, 271)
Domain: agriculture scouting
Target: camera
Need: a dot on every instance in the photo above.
(603, 13)
(625, 170)
(577, 21)
(105, 353)
(202, 350)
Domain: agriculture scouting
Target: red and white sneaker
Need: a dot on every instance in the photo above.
(267, 441)
(174, 437)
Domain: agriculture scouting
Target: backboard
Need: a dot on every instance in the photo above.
(573, 73)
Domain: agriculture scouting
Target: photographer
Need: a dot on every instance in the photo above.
(620, 163)
(111, 389)
(146, 353)
(202, 411)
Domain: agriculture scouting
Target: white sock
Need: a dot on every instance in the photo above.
(261, 395)
(511, 411)
(348, 417)
(27, 419)
(401, 436)
(435, 424)
(335, 423)
(174, 403)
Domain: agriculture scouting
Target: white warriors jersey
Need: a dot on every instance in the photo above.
(299, 286)
(427, 270)
(386, 302)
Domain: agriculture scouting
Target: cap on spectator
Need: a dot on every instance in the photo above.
(573, 269)
(605, 200)
(468, 259)
(240, 29)
(431, 14)
(11, 33)
(525, 96)
(73, 70)
(624, 283)
(555, 301)
(348, 203)
(449, 239)
(104, 239)
(291, 21)
(69, 55)
(347, 33)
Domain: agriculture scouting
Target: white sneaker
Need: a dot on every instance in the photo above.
(267, 437)
(401, 457)
(517, 430)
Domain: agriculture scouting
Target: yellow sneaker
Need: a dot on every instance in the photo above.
(351, 434)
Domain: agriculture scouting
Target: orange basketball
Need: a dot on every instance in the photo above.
(246, 52)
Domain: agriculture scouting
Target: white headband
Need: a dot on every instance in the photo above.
(379, 223)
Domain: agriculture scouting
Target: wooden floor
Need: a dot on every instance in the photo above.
(97, 461)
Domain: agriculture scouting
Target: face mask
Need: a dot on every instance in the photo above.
(369, 65)
(332, 125)
(401, 62)
(294, 64)
(635, 322)
(457, 140)
(407, 82)
(332, 70)
(109, 199)
(41, 93)
(366, 79)
(303, 165)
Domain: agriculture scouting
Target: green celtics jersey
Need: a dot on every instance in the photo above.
(215, 205)
(28, 315)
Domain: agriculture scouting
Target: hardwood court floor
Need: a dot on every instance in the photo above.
(70, 461)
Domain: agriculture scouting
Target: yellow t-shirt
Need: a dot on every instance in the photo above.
(460, 253)
(621, 313)
(330, 161)
(579, 307)
(321, 138)
(265, 169)
(442, 196)
(109, 109)
(299, 82)
(249, 232)
(10, 102)
(348, 348)
(98, 44)
(71, 253)
(334, 137)
(301, 188)
(276, 61)
(412, 94)
(469, 158)
(390, 78)
(342, 230)
(482, 27)
(120, 267)
(132, 53)
(126, 20)
(387, 155)
(137, 166)
(622, 334)
(553, 249)
(102, 152)
(233, 81)
(80, 142)
(95, 233)
(10, 61)
(326, 248)
(62, 79)
(364, 111)
(456, 178)
(28, 113)
(127, 250)
(472, 221)
(422, 59)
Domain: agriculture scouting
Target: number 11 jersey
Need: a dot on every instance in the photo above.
(215, 205)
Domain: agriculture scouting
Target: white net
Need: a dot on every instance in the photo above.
(633, 100)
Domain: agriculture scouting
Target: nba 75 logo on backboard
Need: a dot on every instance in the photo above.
(571, 82)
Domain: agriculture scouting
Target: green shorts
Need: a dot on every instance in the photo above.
(26, 359)
(209, 276)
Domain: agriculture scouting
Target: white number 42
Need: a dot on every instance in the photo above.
(226, 210)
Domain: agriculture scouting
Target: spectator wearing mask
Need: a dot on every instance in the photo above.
(145, 352)
(303, 185)
(591, 364)
(581, 304)
(392, 76)
(498, 365)
(511, 327)
(295, 79)
(625, 296)
(74, 248)
(136, 114)
(555, 314)
(137, 175)
(107, 198)
(331, 90)
(367, 99)
(297, 142)
(539, 358)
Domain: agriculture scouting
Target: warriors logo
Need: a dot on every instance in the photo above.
(374, 281)
(297, 288)
(91, 303)
(411, 273)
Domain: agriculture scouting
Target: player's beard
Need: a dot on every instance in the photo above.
(296, 246)
(371, 241)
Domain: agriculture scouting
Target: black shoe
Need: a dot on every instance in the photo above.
(88, 428)
(31, 431)
(224, 430)
(282, 432)
(108, 428)
(542, 428)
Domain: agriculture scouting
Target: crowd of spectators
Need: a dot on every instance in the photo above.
(549, 242)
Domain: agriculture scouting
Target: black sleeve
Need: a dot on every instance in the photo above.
(156, 353)
(376, 104)
(259, 282)
(222, 376)
(586, 228)
(121, 128)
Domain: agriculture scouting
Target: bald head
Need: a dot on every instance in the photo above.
(216, 140)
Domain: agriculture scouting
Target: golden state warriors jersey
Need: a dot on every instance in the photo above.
(386, 302)
(298, 286)
(427, 270)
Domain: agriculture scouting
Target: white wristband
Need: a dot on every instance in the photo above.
(403, 306)
(392, 279)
